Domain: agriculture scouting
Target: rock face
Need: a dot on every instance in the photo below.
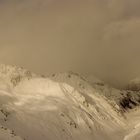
(64, 106)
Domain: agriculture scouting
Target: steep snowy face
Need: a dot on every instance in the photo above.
(120, 100)
(62, 106)
(43, 108)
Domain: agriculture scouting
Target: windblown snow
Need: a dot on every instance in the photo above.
(64, 106)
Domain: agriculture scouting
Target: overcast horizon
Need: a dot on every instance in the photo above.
(91, 37)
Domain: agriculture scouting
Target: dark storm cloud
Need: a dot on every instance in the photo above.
(98, 37)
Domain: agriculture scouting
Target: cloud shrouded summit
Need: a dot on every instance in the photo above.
(99, 37)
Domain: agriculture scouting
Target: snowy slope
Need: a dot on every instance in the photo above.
(63, 106)
(114, 96)
(51, 110)
(6, 134)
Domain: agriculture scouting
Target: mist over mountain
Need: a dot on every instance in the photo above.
(90, 37)
(82, 76)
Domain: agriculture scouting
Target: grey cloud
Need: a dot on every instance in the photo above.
(98, 37)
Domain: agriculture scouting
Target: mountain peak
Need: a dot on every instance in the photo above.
(13, 74)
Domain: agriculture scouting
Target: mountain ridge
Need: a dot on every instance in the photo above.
(62, 106)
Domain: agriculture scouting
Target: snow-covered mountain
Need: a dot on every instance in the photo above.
(64, 106)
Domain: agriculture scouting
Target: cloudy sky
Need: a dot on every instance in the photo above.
(99, 37)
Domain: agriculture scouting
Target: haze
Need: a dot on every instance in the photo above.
(91, 37)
